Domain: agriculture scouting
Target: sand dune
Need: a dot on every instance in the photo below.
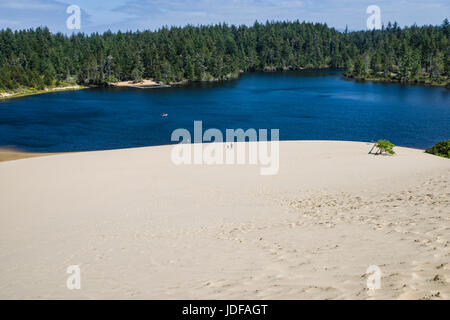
(140, 227)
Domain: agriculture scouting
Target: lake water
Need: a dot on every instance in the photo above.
(312, 105)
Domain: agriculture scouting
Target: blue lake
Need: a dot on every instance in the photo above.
(312, 105)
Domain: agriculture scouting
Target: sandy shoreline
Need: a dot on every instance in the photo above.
(8, 154)
(146, 83)
(27, 92)
(140, 227)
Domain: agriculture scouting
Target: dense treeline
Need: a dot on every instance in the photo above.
(37, 58)
(414, 54)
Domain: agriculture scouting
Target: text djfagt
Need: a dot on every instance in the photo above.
(240, 147)
(229, 310)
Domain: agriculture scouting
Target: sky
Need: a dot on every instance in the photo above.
(125, 15)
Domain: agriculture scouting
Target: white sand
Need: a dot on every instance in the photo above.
(140, 227)
(144, 82)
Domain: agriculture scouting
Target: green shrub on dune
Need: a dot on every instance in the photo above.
(384, 146)
(441, 149)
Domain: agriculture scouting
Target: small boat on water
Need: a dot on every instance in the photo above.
(164, 114)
